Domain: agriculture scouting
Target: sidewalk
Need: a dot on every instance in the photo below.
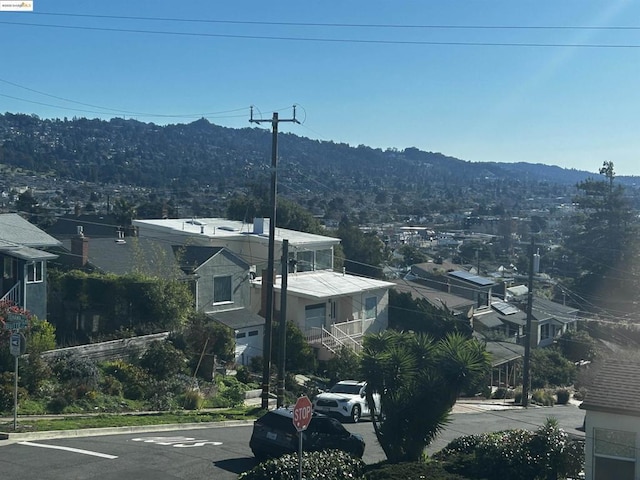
(463, 406)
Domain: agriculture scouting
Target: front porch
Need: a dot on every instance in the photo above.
(12, 296)
(331, 340)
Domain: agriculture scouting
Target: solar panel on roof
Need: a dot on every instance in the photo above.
(470, 277)
(504, 308)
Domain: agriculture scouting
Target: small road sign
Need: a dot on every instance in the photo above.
(15, 321)
(302, 412)
(17, 344)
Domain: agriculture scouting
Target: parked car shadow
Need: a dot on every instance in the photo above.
(236, 465)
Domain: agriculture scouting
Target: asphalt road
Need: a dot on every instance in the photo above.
(215, 452)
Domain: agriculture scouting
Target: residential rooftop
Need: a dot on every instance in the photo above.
(224, 228)
(325, 283)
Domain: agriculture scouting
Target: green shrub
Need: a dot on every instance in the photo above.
(243, 375)
(134, 379)
(563, 395)
(543, 397)
(57, 404)
(502, 393)
(162, 360)
(515, 454)
(111, 386)
(328, 465)
(230, 392)
(517, 396)
(192, 400)
(73, 370)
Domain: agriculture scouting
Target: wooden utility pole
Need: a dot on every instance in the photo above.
(268, 325)
(282, 325)
(527, 335)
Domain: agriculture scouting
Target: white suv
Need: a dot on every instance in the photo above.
(346, 400)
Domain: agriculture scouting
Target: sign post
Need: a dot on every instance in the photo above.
(17, 347)
(302, 413)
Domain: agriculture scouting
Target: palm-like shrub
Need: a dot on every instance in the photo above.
(419, 380)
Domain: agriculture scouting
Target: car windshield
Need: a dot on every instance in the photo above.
(346, 388)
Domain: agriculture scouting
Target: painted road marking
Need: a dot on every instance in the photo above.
(178, 442)
(69, 449)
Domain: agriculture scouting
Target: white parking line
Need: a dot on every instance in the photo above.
(69, 449)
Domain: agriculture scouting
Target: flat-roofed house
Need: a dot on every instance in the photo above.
(333, 309)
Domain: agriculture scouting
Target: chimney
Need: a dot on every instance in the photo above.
(260, 226)
(79, 249)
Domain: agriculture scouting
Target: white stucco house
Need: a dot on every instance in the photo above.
(333, 309)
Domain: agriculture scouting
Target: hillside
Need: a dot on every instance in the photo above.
(201, 155)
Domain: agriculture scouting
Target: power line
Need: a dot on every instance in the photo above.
(349, 25)
(335, 40)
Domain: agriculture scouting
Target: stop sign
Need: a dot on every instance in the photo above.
(302, 412)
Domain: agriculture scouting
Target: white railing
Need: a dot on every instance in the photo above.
(347, 328)
(345, 339)
(13, 295)
(320, 336)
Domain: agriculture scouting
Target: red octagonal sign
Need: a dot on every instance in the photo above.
(302, 412)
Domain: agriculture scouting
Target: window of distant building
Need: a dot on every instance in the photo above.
(8, 268)
(34, 272)
(324, 259)
(304, 261)
(315, 315)
(222, 289)
(544, 331)
(310, 260)
(370, 307)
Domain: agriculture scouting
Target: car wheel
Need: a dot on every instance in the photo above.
(355, 414)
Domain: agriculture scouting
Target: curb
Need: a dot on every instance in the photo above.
(90, 432)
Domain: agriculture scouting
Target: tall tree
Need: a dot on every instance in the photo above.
(364, 252)
(418, 380)
(603, 245)
(258, 204)
(418, 315)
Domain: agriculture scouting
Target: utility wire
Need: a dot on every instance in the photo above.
(349, 25)
(334, 40)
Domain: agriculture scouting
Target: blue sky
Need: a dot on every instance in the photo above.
(387, 74)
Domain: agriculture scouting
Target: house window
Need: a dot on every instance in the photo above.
(7, 271)
(241, 334)
(305, 261)
(324, 259)
(34, 272)
(222, 289)
(370, 307)
(315, 315)
(253, 333)
(614, 454)
(544, 331)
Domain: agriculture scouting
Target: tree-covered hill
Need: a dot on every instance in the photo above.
(314, 173)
